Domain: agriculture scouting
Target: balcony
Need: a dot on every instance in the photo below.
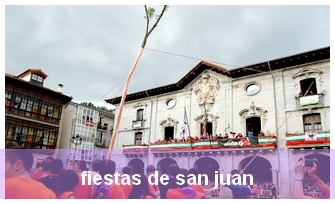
(310, 101)
(102, 126)
(138, 124)
(261, 142)
(300, 140)
(35, 147)
(101, 143)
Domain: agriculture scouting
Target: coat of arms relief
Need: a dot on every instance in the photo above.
(206, 90)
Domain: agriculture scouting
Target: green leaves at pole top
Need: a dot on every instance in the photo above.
(150, 13)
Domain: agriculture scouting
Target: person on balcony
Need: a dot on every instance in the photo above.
(250, 134)
(232, 135)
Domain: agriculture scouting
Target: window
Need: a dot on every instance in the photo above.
(51, 139)
(8, 97)
(252, 88)
(17, 102)
(29, 107)
(308, 87)
(23, 104)
(38, 136)
(170, 103)
(30, 135)
(312, 123)
(50, 111)
(169, 133)
(57, 112)
(37, 78)
(138, 138)
(35, 106)
(44, 109)
(139, 114)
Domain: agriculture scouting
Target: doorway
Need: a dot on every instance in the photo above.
(253, 125)
(169, 133)
(308, 86)
(209, 128)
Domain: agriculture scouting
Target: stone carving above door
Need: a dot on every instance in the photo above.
(251, 112)
(306, 72)
(140, 105)
(206, 90)
(169, 122)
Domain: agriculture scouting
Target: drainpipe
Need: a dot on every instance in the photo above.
(232, 105)
(149, 146)
(276, 120)
(225, 106)
(274, 101)
(156, 116)
(284, 91)
(190, 107)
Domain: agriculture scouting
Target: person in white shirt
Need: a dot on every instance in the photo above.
(232, 135)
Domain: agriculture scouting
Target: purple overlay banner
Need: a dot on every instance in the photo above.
(263, 173)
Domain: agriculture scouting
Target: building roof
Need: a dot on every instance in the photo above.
(101, 111)
(262, 67)
(9, 78)
(33, 71)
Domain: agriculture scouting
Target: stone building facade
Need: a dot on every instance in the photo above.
(286, 98)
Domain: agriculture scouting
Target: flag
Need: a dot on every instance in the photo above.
(203, 129)
(183, 128)
(310, 136)
(204, 117)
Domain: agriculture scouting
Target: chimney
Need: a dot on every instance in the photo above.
(60, 88)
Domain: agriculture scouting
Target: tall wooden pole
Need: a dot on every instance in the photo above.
(149, 14)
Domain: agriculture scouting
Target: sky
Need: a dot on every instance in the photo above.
(90, 49)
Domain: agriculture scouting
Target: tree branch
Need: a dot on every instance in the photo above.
(154, 26)
(146, 13)
(144, 42)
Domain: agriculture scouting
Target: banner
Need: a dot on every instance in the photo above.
(230, 143)
(309, 100)
(311, 136)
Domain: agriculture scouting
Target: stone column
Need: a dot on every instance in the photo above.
(284, 165)
(274, 177)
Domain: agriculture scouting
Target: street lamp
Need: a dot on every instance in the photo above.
(76, 140)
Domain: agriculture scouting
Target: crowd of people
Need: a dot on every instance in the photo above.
(209, 137)
(310, 189)
(51, 181)
(264, 190)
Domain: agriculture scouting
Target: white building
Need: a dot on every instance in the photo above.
(264, 96)
(104, 133)
(85, 131)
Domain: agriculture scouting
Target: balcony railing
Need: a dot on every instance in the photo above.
(138, 124)
(101, 143)
(309, 101)
(102, 126)
(266, 141)
(296, 139)
(34, 147)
